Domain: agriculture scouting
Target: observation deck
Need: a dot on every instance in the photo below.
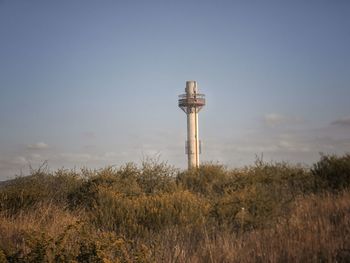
(187, 102)
(195, 100)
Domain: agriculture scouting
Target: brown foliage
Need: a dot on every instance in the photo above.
(272, 212)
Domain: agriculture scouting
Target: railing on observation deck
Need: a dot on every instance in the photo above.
(191, 100)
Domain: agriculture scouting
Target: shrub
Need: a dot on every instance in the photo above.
(41, 186)
(49, 233)
(138, 214)
(156, 177)
(153, 212)
(250, 197)
(3, 258)
(332, 172)
(208, 179)
(129, 180)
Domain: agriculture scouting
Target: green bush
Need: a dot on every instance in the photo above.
(207, 180)
(25, 192)
(139, 214)
(250, 197)
(332, 172)
(129, 180)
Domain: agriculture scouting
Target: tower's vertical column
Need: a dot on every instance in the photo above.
(191, 102)
(191, 88)
(196, 136)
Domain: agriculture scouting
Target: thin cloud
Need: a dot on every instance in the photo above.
(37, 146)
(83, 157)
(9, 163)
(342, 122)
(275, 119)
(89, 135)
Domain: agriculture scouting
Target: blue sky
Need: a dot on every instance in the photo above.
(95, 83)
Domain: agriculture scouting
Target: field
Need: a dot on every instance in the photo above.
(266, 212)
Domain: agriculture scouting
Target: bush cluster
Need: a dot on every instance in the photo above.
(333, 172)
(124, 214)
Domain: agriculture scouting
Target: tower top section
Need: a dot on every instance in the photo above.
(191, 87)
(191, 100)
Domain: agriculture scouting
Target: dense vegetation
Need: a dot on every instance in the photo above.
(267, 212)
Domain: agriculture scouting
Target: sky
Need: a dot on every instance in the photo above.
(95, 83)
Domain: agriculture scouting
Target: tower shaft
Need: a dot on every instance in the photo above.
(192, 138)
(191, 103)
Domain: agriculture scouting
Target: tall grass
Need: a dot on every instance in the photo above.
(272, 212)
(317, 229)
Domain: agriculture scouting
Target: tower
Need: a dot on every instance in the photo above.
(191, 103)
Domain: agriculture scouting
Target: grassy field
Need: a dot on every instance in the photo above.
(266, 212)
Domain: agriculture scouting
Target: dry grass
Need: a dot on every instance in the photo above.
(263, 213)
(45, 224)
(50, 233)
(317, 230)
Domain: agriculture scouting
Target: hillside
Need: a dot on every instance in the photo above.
(266, 212)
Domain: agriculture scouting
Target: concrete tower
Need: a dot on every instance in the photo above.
(191, 103)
